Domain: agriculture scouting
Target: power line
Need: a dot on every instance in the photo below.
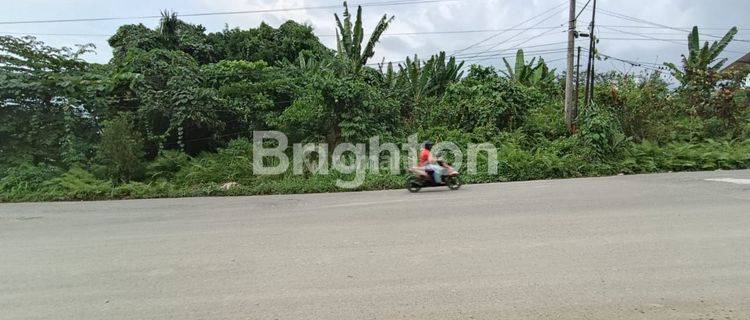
(506, 55)
(644, 37)
(320, 35)
(58, 34)
(523, 31)
(676, 34)
(498, 53)
(372, 4)
(515, 26)
(639, 35)
(655, 27)
(516, 48)
(645, 65)
(584, 8)
(449, 31)
(643, 21)
(491, 58)
(470, 57)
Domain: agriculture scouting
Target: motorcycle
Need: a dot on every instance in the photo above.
(422, 178)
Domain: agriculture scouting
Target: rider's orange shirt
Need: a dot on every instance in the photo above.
(424, 157)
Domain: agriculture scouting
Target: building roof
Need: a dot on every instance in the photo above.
(742, 61)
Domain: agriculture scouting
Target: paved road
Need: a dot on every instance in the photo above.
(667, 246)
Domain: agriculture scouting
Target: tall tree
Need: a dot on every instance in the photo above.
(49, 99)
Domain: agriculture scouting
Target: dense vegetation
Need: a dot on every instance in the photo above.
(173, 111)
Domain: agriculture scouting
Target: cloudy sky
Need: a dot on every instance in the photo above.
(421, 28)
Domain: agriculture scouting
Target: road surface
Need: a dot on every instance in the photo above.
(665, 246)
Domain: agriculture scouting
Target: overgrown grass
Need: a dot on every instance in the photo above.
(174, 175)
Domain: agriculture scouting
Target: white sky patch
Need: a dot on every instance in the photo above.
(731, 180)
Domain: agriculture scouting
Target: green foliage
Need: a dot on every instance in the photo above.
(231, 164)
(45, 95)
(17, 182)
(601, 131)
(172, 34)
(701, 74)
(268, 44)
(482, 100)
(170, 115)
(684, 156)
(332, 107)
(546, 121)
(529, 74)
(167, 164)
(121, 149)
(641, 104)
(349, 38)
(77, 184)
(417, 80)
(700, 65)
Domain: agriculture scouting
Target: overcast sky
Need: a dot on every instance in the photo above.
(618, 38)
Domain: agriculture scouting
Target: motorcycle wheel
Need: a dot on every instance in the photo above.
(413, 184)
(453, 183)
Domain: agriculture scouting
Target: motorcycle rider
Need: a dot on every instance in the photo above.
(429, 162)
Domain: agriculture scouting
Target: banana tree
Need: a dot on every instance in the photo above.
(349, 37)
(701, 63)
(431, 77)
(443, 73)
(528, 73)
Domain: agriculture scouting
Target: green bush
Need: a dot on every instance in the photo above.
(23, 180)
(121, 148)
(167, 164)
(78, 184)
(233, 163)
(684, 156)
(601, 131)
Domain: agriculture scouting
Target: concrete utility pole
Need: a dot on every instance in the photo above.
(578, 79)
(589, 97)
(593, 53)
(570, 109)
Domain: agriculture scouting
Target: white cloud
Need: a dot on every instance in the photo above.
(426, 17)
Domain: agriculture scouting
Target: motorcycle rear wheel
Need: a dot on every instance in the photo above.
(413, 184)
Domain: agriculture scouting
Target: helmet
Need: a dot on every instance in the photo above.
(428, 144)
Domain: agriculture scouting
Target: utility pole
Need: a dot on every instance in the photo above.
(570, 111)
(589, 94)
(593, 51)
(578, 78)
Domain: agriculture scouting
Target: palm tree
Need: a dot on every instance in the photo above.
(168, 26)
(349, 37)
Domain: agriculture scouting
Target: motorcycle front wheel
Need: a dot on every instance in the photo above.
(453, 183)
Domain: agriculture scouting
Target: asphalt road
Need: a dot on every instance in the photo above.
(666, 246)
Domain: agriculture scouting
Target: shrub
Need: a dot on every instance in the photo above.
(121, 148)
(167, 164)
(233, 163)
(25, 179)
(601, 132)
(78, 184)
